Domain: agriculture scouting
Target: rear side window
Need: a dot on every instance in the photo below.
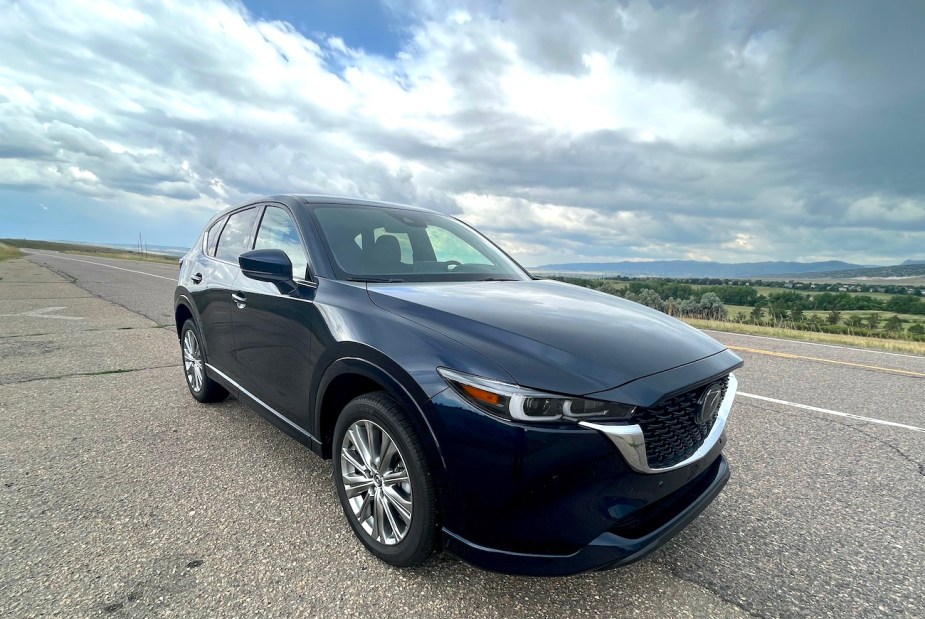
(212, 236)
(278, 231)
(233, 241)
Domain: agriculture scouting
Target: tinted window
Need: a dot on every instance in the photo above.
(396, 244)
(233, 241)
(404, 243)
(449, 247)
(278, 231)
(212, 236)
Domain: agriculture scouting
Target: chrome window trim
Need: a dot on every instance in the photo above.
(261, 402)
(631, 442)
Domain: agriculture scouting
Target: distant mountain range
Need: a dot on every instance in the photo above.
(698, 268)
(909, 268)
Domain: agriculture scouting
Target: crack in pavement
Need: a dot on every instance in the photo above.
(900, 452)
(77, 283)
(44, 333)
(714, 591)
(79, 374)
(897, 450)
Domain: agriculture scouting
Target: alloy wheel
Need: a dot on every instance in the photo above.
(377, 482)
(192, 361)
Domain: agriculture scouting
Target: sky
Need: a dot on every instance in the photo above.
(565, 131)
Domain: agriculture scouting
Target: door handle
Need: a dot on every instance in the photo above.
(197, 278)
(240, 299)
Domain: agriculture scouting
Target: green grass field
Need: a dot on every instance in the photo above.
(873, 343)
(87, 250)
(768, 290)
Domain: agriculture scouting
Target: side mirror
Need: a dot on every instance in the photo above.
(268, 265)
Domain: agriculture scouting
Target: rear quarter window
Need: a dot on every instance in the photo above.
(233, 240)
(212, 236)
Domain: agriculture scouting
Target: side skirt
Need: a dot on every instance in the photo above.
(264, 410)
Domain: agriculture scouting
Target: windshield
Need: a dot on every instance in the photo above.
(392, 244)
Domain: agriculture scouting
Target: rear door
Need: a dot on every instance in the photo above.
(217, 271)
(274, 331)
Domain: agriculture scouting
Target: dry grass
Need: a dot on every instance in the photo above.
(7, 252)
(88, 250)
(873, 343)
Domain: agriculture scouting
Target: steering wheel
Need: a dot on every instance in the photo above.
(452, 264)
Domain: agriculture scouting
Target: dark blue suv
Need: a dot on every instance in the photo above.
(524, 425)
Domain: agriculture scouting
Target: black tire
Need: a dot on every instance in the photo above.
(209, 391)
(422, 532)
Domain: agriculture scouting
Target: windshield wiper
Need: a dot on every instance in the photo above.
(374, 280)
(497, 279)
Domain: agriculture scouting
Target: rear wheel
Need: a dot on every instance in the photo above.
(200, 385)
(383, 482)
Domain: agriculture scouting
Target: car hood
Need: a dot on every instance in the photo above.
(551, 335)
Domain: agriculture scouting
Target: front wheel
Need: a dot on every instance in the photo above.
(383, 482)
(200, 385)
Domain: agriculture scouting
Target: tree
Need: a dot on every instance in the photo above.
(894, 323)
(855, 321)
(873, 321)
(649, 298)
(757, 314)
(712, 306)
(916, 329)
(796, 313)
(833, 317)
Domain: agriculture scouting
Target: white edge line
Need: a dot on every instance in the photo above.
(831, 412)
(781, 339)
(53, 256)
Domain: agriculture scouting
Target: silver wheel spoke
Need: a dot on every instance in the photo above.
(346, 455)
(357, 484)
(378, 520)
(361, 445)
(402, 505)
(387, 509)
(386, 450)
(365, 510)
(395, 477)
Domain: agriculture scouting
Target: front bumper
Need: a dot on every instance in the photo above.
(548, 499)
(608, 550)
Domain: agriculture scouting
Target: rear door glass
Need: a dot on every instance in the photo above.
(233, 241)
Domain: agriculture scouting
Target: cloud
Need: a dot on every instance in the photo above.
(597, 131)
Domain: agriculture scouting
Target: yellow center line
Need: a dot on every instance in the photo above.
(785, 355)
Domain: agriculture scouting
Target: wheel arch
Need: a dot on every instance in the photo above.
(184, 309)
(357, 369)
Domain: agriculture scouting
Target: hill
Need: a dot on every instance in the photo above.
(907, 269)
(697, 268)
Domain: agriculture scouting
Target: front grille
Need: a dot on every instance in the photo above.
(671, 430)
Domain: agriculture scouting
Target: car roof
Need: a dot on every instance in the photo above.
(310, 200)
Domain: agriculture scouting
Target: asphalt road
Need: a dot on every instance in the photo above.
(121, 496)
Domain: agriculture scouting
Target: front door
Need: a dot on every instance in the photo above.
(273, 330)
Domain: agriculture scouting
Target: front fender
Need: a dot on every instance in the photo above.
(355, 358)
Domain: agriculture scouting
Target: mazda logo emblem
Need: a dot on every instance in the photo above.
(709, 402)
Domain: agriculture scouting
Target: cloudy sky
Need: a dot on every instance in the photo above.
(567, 131)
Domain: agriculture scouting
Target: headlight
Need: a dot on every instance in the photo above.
(514, 402)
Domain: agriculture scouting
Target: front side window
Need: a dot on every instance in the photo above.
(278, 231)
(391, 244)
(233, 241)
